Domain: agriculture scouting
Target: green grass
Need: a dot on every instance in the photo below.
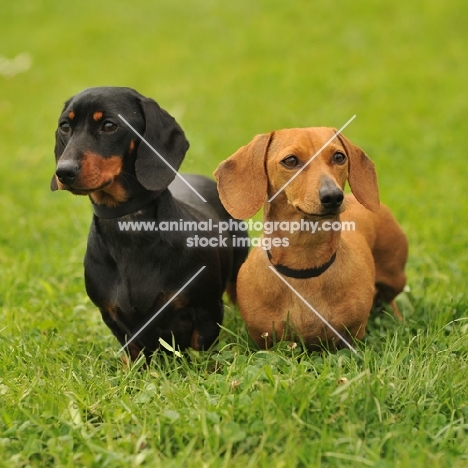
(228, 71)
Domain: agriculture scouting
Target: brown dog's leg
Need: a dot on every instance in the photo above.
(387, 295)
(396, 311)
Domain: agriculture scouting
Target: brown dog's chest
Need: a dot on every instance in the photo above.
(342, 296)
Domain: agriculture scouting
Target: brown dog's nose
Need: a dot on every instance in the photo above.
(331, 197)
(67, 171)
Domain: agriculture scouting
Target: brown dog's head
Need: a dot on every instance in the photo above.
(297, 168)
(97, 154)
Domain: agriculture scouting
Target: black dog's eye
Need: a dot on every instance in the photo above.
(339, 158)
(290, 161)
(65, 127)
(109, 127)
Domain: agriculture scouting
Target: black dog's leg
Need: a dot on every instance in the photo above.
(206, 330)
(132, 349)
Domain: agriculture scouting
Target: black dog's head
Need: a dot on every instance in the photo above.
(98, 154)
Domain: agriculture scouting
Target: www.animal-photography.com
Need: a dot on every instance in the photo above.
(233, 234)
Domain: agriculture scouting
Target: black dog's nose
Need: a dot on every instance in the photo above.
(67, 171)
(331, 197)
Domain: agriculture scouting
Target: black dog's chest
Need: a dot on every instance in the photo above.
(134, 277)
(130, 273)
(137, 271)
(118, 273)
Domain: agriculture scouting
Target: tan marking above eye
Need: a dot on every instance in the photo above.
(97, 116)
(71, 115)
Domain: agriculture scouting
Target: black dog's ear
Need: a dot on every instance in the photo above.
(53, 183)
(59, 149)
(164, 134)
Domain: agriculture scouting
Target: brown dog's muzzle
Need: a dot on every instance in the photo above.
(331, 197)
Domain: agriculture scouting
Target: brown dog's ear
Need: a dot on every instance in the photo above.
(242, 180)
(362, 177)
(165, 135)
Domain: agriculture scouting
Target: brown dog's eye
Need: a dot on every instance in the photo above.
(290, 161)
(339, 158)
(109, 127)
(65, 127)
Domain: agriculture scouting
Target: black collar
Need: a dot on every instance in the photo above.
(303, 274)
(135, 204)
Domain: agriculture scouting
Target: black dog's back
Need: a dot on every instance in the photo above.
(201, 186)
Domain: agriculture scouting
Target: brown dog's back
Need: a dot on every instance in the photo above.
(388, 245)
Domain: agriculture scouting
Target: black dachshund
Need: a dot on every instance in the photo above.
(123, 150)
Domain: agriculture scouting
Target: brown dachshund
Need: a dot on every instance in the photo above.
(341, 273)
